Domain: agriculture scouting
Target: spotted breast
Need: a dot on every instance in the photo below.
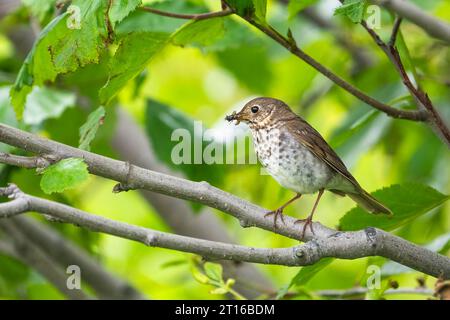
(289, 162)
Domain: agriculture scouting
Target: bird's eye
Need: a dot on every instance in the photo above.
(255, 109)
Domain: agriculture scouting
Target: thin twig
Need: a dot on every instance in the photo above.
(199, 16)
(418, 115)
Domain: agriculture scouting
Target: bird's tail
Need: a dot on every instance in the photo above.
(369, 203)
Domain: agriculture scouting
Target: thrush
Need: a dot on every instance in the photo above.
(298, 158)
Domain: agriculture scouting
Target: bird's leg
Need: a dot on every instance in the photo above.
(279, 212)
(308, 220)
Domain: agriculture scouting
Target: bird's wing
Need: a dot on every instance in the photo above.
(312, 139)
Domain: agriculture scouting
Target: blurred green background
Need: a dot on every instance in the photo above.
(206, 79)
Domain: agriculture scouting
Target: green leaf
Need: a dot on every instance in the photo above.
(304, 275)
(353, 9)
(213, 271)
(244, 8)
(44, 103)
(218, 291)
(25, 78)
(70, 41)
(295, 6)
(201, 32)
(89, 129)
(184, 147)
(260, 9)
(407, 202)
(134, 53)
(65, 174)
(120, 9)
(141, 21)
(360, 131)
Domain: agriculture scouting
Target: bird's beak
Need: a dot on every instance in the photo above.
(234, 116)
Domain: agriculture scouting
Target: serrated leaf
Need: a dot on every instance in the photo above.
(120, 9)
(353, 9)
(134, 53)
(295, 6)
(213, 271)
(25, 78)
(304, 275)
(407, 202)
(44, 103)
(70, 41)
(201, 32)
(63, 175)
(89, 129)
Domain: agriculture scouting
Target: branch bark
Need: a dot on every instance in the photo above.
(433, 26)
(200, 16)
(324, 243)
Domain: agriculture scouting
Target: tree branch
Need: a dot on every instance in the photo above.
(432, 25)
(421, 98)
(200, 16)
(26, 251)
(325, 243)
(355, 292)
(64, 252)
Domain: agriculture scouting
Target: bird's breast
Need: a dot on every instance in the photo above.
(289, 162)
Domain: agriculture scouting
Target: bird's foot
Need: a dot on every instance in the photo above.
(277, 213)
(307, 222)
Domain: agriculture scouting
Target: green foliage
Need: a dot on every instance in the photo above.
(120, 9)
(304, 275)
(295, 6)
(201, 32)
(245, 8)
(184, 147)
(44, 103)
(212, 274)
(353, 9)
(133, 54)
(63, 175)
(89, 129)
(407, 202)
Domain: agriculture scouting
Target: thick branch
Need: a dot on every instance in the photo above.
(325, 243)
(432, 25)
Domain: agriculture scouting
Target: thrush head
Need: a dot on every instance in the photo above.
(260, 111)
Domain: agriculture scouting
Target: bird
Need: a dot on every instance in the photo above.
(299, 158)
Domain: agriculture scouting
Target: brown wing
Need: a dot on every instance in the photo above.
(312, 139)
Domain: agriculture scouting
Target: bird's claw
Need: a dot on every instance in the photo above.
(277, 213)
(308, 222)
